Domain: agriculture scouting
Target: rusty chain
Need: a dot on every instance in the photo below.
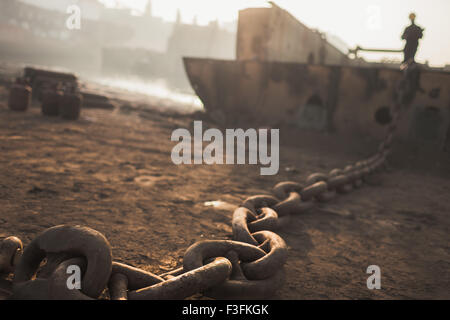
(251, 266)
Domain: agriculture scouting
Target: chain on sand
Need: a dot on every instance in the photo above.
(251, 266)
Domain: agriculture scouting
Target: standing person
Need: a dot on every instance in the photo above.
(412, 34)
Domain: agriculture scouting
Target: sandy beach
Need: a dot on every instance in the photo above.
(112, 171)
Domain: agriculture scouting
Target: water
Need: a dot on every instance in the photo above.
(142, 91)
(158, 90)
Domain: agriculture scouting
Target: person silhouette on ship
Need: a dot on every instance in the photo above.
(412, 34)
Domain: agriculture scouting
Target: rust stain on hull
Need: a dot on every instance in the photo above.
(335, 98)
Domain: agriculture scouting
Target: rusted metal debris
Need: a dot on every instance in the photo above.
(59, 93)
(20, 96)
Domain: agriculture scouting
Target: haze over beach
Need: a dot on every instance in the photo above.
(371, 24)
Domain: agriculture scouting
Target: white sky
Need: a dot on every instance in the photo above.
(369, 23)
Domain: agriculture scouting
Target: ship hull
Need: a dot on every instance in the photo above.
(343, 99)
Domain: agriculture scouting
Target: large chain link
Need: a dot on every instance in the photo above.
(248, 267)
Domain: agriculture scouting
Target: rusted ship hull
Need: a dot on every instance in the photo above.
(342, 99)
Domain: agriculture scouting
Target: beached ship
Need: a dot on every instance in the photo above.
(288, 74)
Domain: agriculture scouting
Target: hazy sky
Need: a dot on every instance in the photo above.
(369, 23)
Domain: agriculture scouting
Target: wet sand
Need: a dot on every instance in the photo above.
(112, 171)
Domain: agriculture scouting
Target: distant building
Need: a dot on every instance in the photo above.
(111, 40)
(202, 41)
(190, 40)
(90, 9)
(149, 32)
(143, 59)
